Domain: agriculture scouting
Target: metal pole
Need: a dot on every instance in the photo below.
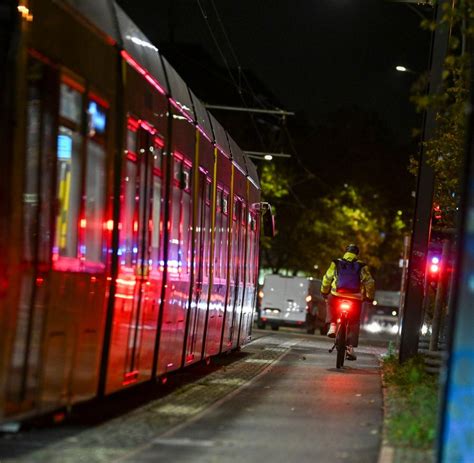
(403, 284)
(440, 297)
(413, 309)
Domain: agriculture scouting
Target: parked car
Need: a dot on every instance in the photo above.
(292, 301)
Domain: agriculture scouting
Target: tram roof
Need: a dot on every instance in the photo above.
(238, 156)
(220, 136)
(202, 116)
(113, 21)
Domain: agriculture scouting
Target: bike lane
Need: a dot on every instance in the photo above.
(300, 409)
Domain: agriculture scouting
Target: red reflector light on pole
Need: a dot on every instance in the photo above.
(434, 268)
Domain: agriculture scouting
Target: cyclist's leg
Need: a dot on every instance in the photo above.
(331, 309)
(354, 325)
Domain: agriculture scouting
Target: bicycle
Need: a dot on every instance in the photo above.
(340, 342)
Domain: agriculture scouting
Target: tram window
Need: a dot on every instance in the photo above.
(174, 253)
(225, 203)
(68, 192)
(156, 215)
(177, 170)
(207, 235)
(97, 119)
(224, 244)
(70, 103)
(186, 232)
(186, 178)
(157, 156)
(218, 235)
(131, 140)
(94, 201)
(128, 248)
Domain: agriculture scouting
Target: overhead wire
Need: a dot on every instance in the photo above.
(255, 97)
(226, 63)
(236, 59)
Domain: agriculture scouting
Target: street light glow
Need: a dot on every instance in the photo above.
(401, 68)
(268, 157)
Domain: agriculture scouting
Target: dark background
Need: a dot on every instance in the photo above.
(330, 61)
(314, 56)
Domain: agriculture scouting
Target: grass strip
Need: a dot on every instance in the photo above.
(412, 396)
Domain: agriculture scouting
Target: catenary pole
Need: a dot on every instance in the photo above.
(413, 308)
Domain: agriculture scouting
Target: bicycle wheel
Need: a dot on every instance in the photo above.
(341, 345)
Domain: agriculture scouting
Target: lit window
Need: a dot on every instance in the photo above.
(68, 192)
(70, 104)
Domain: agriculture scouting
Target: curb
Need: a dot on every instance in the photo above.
(387, 453)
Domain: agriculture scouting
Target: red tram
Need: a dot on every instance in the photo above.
(129, 224)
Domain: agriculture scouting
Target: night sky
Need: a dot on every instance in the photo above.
(315, 56)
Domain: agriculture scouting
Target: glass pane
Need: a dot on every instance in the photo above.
(207, 238)
(177, 170)
(186, 233)
(95, 202)
(175, 257)
(97, 119)
(186, 178)
(224, 244)
(128, 248)
(155, 233)
(131, 140)
(31, 189)
(70, 103)
(157, 156)
(68, 192)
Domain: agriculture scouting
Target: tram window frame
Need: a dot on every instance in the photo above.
(74, 116)
(217, 272)
(96, 139)
(67, 251)
(175, 242)
(186, 202)
(207, 225)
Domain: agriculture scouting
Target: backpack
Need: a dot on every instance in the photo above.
(348, 275)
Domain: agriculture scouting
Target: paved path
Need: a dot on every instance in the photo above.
(282, 401)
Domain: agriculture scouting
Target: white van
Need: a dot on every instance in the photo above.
(291, 301)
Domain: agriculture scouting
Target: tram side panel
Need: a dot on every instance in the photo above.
(139, 279)
(179, 245)
(196, 323)
(69, 109)
(12, 165)
(251, 264)
(235, 290)
(219, 275)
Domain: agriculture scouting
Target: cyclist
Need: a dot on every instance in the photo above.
(350, 278)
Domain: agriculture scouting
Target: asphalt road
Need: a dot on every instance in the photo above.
(279, 400)
(301, 409)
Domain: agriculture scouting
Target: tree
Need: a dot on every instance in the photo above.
(445, 151)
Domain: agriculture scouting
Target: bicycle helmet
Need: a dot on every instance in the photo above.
(353, 248)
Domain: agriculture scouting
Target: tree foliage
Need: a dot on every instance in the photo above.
(445, 150)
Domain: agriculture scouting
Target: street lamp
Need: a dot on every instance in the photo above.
(268, 157)
(404, 69)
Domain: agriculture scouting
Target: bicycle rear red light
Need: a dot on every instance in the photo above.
(345, 305)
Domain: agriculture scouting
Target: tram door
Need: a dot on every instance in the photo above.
(238, 251)
(23, 382)
(138, 284)
(200, 290)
